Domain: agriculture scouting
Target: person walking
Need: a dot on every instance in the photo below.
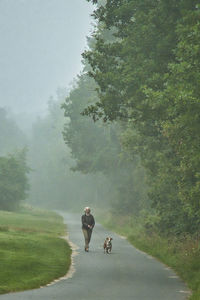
(88, 223)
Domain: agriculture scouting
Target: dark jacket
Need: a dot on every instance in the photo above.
(87, 220)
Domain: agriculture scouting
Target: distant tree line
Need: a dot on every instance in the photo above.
(11, 137)
(13, 181)
(141, 82)
(13, 167)
(53, 184)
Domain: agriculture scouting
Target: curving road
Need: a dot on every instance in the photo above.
(125, 274)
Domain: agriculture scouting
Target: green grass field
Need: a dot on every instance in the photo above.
(32, 252)
(181, 254)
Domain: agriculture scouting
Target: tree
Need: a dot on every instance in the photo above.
(96, 150)
(182, 127)
(13, 180)
(147, 76)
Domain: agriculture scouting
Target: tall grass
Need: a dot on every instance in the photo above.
(31, 249)
(180, 253)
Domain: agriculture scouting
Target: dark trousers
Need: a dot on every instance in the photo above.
(87, 235)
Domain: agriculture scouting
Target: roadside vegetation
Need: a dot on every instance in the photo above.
(32, 250)
(180, 253)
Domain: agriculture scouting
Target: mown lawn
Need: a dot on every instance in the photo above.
(32, 252)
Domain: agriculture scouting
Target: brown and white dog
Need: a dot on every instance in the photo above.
(107, 246)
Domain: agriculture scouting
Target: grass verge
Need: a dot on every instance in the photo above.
(181, 254)
(31, 249)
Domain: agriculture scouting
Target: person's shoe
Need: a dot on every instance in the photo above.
(86, 249)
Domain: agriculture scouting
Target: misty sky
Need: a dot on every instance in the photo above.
(41, 42)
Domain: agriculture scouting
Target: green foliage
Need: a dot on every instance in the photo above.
(13, 180)
(183, 126)
(147, 76)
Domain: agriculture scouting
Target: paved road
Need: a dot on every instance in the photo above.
(125, 274)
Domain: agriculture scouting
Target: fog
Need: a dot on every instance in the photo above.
(40, 55)
(41, 46)
(140, 157)
(40, 49)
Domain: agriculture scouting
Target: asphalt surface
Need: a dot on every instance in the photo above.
(125, 274)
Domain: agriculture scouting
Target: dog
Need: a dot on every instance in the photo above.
(107, 246)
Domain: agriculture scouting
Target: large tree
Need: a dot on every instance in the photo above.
(145, 61)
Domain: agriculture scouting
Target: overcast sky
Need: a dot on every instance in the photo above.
(41, 42)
